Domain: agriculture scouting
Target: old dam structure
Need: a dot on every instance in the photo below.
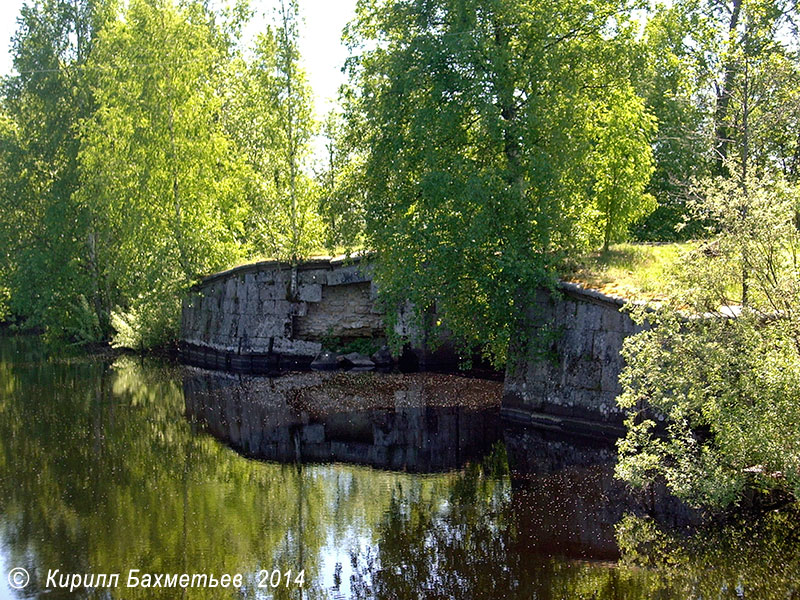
(265, 316)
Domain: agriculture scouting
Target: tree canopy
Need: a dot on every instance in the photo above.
(477, 144)
(483, 156)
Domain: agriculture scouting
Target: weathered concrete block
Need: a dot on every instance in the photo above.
(296, 347)
(613, 320)
(607, 346)
(265, 278)
(348, 274)
(584, 374)
(587, 317)
(269, 326)
(576, 342)
(315, 276)
(309, 292)
(594, 316)
(253, 304)
(566, 310)
(230, 288)
(282, 307)
(245, 327)
(272, 291)
(609, 381)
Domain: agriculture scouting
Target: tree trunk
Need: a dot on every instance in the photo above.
(721, 130)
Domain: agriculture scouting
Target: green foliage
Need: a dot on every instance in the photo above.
(80, 323)
(675, 83)
(622, 164)
(157, 173)
(365, 346)
(721, 377)
(476, 125)
(47, 261)
(150, 322)
(128, 168)
(270, 118)
(479, 143)
(721, 77)
(341, 202)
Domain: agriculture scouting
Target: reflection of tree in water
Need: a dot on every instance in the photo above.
(467, 547)
(753, 556)
(103, 474)
(428, 544)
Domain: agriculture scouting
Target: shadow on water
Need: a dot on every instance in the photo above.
(573, 502)
(101, 471)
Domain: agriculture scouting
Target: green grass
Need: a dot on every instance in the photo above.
(628, 270)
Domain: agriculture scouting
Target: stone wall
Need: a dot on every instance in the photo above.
(567, 378)
(344, 310)
(247, 319)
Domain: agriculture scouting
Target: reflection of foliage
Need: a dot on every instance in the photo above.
(108, 475)
(437, 539)
(100, 471)
(747, 558)
(468, 546)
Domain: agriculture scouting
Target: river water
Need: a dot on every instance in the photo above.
(369, 485)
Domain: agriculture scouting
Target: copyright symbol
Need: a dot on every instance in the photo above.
(18, 578)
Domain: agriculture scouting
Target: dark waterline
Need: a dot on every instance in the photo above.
(376, 486)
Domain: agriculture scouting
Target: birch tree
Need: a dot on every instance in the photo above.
(157, 172)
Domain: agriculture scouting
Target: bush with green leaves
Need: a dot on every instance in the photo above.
(712, 387)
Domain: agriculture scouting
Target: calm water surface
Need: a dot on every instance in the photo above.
(374, 486)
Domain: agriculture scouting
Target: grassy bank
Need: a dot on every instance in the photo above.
(628, 270)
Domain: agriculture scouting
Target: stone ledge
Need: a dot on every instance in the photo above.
(566, 425)
(324, 263)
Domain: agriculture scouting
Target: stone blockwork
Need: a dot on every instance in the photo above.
(568, 377)
(248, 319)
(344, 310)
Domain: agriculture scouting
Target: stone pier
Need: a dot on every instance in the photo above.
(567, 378)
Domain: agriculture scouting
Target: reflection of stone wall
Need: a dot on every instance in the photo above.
(246, 318)
(573, 499)
(314, 417)
(569, 375)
